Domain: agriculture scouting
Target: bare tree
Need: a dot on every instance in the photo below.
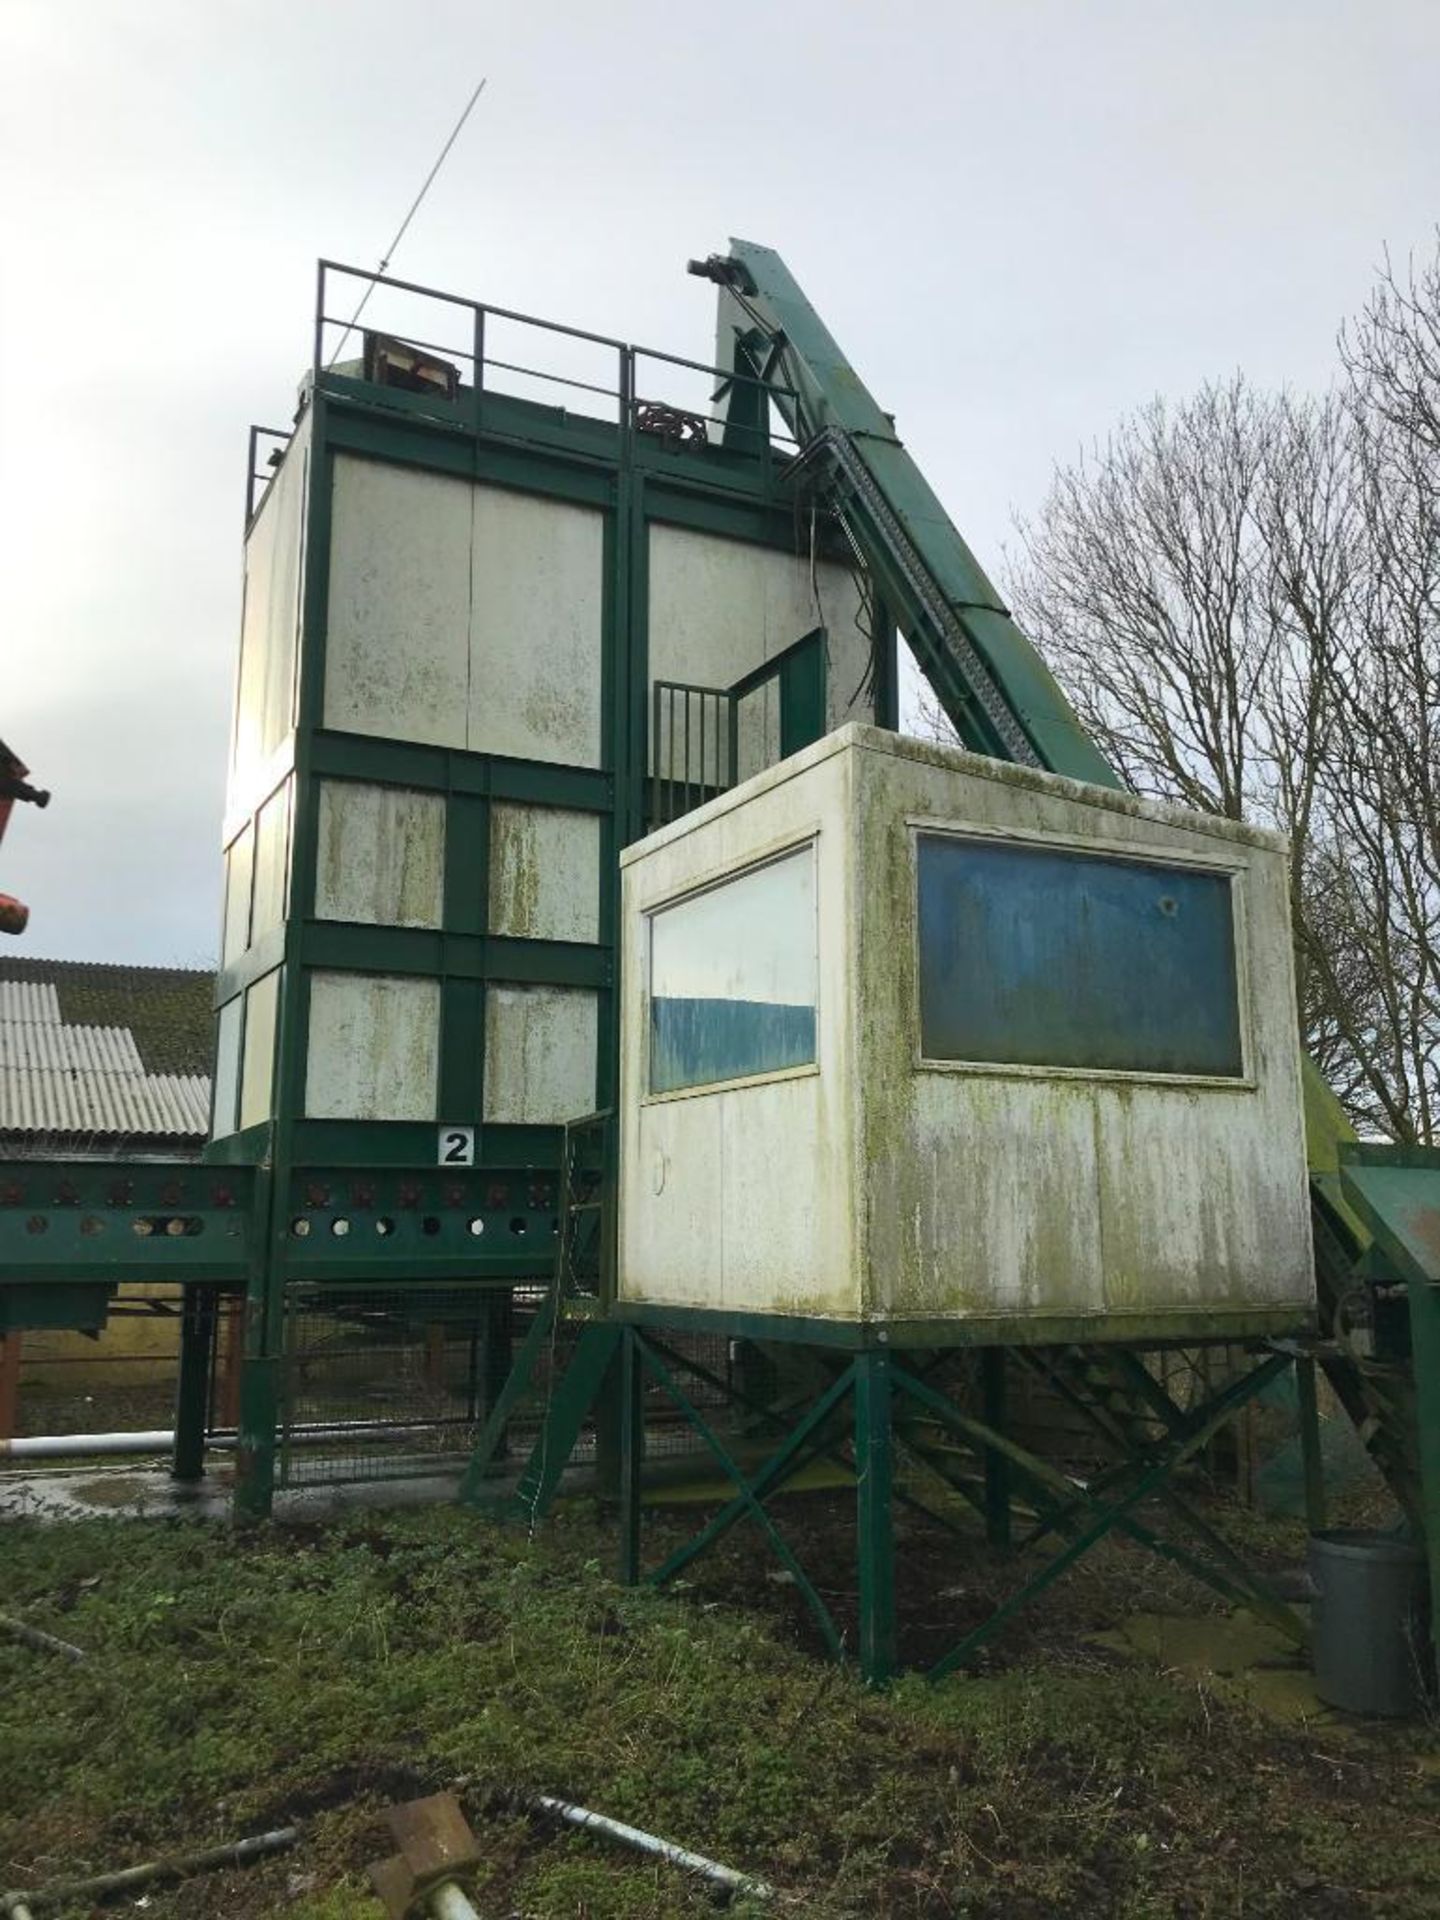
(1240, 595)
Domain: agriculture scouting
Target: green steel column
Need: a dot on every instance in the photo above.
(192, 1394)
(255, 1455)
(632, 1449)
(259, 1371)
(1310, 1454)
(497, 1355)
(997, 1465)
(609, 1428)
(887, 666)
(1425, 1360)
(874, 1515)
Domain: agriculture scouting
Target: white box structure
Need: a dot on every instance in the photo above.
(970, 1052)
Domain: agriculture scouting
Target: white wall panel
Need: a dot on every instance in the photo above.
(374, 1047)
(544, 873)
(257, 1077)
(226, 1088)
(397, 637)
(539, 1054)
(464, 616)
(535, 637)
(270, 624)
(239, 879)
(720, 607)
(381, 855)
(272, 863)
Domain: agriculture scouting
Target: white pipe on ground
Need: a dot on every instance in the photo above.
(80, 1446)
(449, 1903)
(54, 1446)
(648, 1843)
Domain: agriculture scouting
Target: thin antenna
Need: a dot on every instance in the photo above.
(389, 253)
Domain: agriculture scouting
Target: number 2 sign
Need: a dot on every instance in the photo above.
(457, 1147)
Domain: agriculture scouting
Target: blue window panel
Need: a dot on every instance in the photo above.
(694, 1043)
(1038, 956)
(733, 978)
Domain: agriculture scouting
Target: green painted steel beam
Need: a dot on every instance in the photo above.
(990, 680)
(94, 1223)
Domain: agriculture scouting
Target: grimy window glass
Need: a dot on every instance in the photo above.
(1037, 956)
(732, 978)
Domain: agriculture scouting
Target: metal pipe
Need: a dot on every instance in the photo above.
(53, 1446)
(174, 1867)
(42, 1642)
(449, 1903)
(648, 1843)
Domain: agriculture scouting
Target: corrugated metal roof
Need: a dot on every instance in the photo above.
(43, 1101)
(63, 1079)
(29, 1001)
(62, 1049)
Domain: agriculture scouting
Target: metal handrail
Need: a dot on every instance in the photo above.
(481, 312)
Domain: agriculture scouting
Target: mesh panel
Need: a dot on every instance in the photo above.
(382, 1383)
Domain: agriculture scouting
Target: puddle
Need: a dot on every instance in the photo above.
(1251, 1658)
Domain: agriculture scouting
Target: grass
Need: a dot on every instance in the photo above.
(319, 1674)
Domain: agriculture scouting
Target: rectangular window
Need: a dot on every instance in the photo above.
(733, 978)
(1040, 956)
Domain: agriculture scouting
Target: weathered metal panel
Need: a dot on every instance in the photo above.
(374, 1047)
(272, 863)
(732, 1195)
(257, 1072)
(1037, 1194)
(544, 873)
(537, 596)
(397, 636)
(1084, 1195)
(463, 615)
(539, 1054)
(380, 858)
(226, 1107)
(265, 692)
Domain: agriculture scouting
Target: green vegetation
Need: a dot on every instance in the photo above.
(320, 1674)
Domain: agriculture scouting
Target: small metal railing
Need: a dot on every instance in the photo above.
(694, 747)
(633, 386)
(267, 450)
(695, 732)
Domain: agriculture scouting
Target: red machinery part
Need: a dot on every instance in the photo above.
(14, 914)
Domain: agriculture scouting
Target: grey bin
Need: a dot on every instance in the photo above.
(1369, 1632)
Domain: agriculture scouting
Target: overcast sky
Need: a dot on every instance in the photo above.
(1019, 217)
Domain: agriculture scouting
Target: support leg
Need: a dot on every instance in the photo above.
(631, 1451)
(9, 1384)
(1310, 1453)
(874, 1515)
(997, 1466)
(497, 1356)
(1425, 1361)
(255, 1456)
(192, 1394)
